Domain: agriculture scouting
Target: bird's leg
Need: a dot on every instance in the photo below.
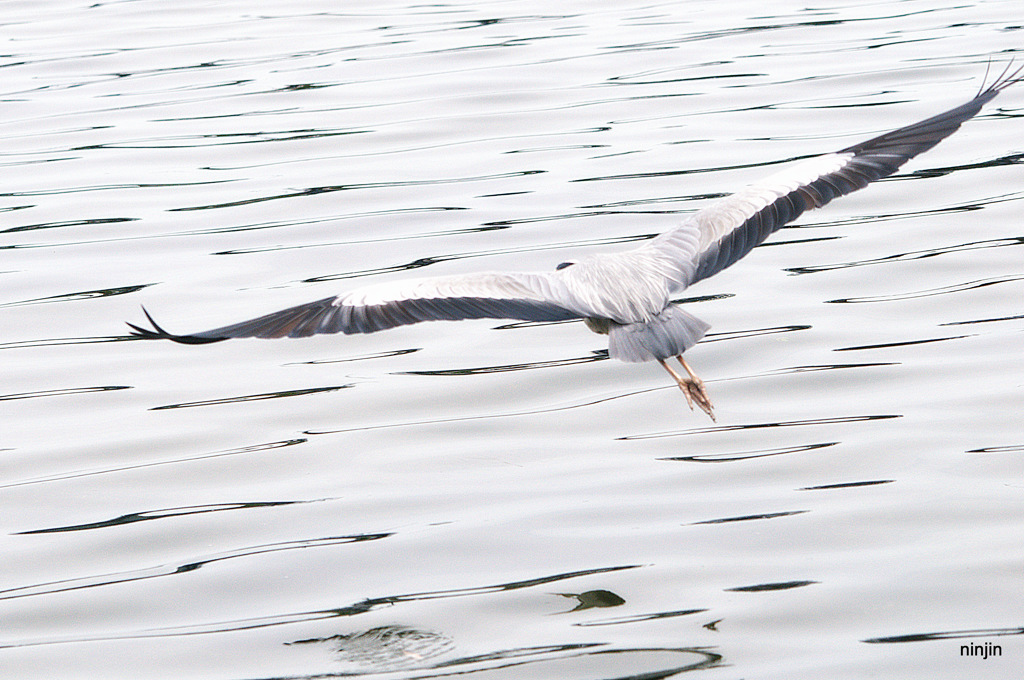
(692, 387)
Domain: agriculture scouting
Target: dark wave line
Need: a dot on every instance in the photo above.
(758, 426)
(188, 459)
(61, 392)
(746, 455)
(80, 295)
(748, 518)
(944, 290)
(315, 191)
(360, 607)
(253, 397)
(148, 515)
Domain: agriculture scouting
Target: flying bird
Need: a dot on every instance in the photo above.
(626, 295)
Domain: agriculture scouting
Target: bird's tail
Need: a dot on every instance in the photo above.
(667, 335)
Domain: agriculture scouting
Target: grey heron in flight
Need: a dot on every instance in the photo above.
(626, 295)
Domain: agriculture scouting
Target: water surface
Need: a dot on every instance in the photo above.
(489, 499)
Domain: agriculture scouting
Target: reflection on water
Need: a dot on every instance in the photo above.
(594, 598)
(395, 649)
(385, 649)
(657, 662)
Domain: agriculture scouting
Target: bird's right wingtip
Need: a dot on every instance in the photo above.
(158, 333)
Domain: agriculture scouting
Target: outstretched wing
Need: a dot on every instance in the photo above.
(527, 297)
(731, 227)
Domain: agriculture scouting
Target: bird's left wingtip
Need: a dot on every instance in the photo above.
(1009, 76)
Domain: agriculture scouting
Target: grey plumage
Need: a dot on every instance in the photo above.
(628, 294)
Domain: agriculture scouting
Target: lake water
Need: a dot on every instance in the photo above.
(487, 499)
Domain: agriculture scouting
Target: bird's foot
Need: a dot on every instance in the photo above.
(693, 390)
(692, 387)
